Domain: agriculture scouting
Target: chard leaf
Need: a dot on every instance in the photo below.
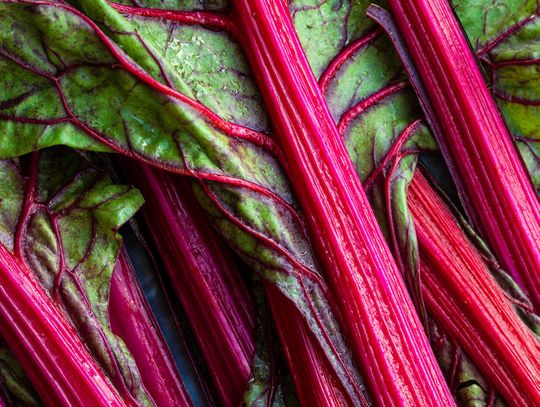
(61, 215)
(506, 37)
(210, 64)
(512, 62)
(188, 5)
(15, 388)
(484, 20)
(470, 388)
(126, 94)
(333, 22)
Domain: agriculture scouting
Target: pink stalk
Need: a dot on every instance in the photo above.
(132, 320)
(384, 330)
(205, 280)
(460, 292)
(464, 298)
(47, 346)
(494, 185)
(315, 380)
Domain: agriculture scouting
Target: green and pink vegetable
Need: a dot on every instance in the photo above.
(290, 129)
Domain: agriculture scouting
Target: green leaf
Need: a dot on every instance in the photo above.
(14, 383)
(333, 23)
(512, 61)
(483, 20)
(209, 63)
(217, 5)
(67, 234)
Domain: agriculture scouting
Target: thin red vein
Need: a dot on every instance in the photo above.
(512, 62)
(305, 271)
(370, 101)
(351, 379)
(229, 128)
(28, 205)
(345, 56)
(223, 179)
(388, 183)
(206, 19)
(515, 99)
(393, 152)
(504, 35)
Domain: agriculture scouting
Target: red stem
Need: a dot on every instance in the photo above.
(384, 330)
(494, 185)
(315, 380)
(132, 320)
(205, 280)
(55, 360)
(446, 253)
(353, 112)
(468, 303)
(396, 150)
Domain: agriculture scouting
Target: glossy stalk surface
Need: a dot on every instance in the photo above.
(383, 329)
(315, 380)
(56, 361)
(132, 320)
(464, 298)
(493, 183)
(209, 287)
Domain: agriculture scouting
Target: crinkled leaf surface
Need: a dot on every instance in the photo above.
(126, 93)
(507, 38)
(61, 215)
(217, 5)
(15, 387)
(210, 64)
(119, 95)
(334, 23)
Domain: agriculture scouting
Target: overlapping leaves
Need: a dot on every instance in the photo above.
(126, 91)
(61, 215)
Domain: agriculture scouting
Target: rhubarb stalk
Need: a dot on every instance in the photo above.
(493, 183)
(385, 332)
(132, 320)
